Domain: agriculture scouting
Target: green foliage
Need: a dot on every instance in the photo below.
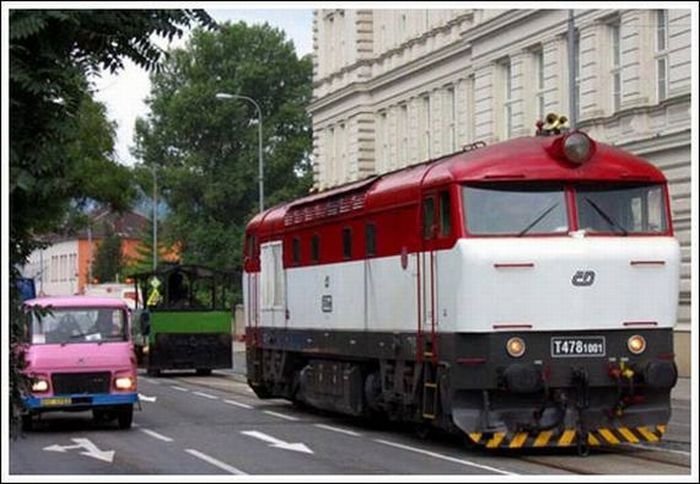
(60, 141)
(206, 149)
(109, 259)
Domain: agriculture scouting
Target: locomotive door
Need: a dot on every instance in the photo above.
(427, 266)
(273, 300)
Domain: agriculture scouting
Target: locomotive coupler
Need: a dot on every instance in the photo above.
(623, 375)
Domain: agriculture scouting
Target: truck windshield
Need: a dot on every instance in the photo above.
(515, 209)
(622, 210)
(78, 326)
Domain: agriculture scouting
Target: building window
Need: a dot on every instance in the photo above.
(450, 116)
(661, 30)
(662, 54)
(616, 71)
(508, 98)
(347, 243)
(403, 135)
(371, 240)
(539, 74)
(330, 144)
(426, 152)
(383, 142)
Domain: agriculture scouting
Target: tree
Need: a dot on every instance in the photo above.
(109, 259)
(206, 150)
(52, 53)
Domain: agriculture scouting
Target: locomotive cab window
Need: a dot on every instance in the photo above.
(371, 240)
(445, 216)
(296, 251)
(622, 209)
(428, 218)
(515, 209)
(315, 248)
(347, 243)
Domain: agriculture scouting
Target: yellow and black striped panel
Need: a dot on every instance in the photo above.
(549, 438)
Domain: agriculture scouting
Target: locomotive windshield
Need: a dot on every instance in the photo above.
(515, 210)
(622, 210)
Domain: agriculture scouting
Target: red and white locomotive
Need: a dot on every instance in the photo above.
(523, 294)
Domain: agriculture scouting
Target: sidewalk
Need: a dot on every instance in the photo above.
(682, 390)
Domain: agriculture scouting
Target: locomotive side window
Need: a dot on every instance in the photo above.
(371, 240)
(296, 251)
(315, 248)
(445, 217)
(428, 218)
(347, 243)
(500, 209)
(622, 209)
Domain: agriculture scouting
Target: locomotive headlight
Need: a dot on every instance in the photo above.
(40, 385)
(636, 344)
(515, 347)
(578, 147)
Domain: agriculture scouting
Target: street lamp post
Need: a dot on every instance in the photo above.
(155, 220)
(223, 95)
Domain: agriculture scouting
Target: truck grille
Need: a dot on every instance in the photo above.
(72, 383)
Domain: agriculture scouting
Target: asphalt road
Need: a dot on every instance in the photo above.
(216, 425)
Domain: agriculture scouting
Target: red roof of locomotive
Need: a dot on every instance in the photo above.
(520, 159)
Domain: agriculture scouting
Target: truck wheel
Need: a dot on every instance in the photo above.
(125, 416)
(204, 371)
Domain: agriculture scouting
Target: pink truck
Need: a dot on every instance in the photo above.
(80, 357)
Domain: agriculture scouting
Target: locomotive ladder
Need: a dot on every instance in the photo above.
(426, 348)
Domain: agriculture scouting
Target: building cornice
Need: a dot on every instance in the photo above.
(400, 72)
(393, 51)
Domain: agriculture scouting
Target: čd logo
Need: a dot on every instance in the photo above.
(583, 278)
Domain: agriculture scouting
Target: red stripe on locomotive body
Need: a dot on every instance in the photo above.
(392, 201)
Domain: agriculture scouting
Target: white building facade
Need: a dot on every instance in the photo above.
(398, 87)
(55, 268)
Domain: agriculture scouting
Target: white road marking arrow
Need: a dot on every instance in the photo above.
(275, 442)
(91, 449)
(146, 399)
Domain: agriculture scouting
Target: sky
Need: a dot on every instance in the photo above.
(124, 92)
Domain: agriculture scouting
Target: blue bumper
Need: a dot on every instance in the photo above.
(79, 401)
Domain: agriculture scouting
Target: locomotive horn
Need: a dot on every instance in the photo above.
(550, 122)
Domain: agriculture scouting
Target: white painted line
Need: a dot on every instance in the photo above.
(156, 435)
(280, 415)
(339, 430)
(444, 457)
(215, 462)
(656, 449)
(179, 388)
(206, 395)
(238, 404)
